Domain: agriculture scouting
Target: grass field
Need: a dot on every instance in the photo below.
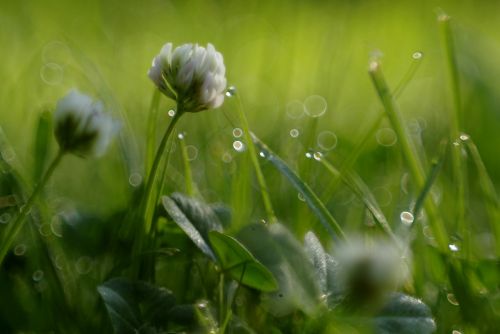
(366, 200)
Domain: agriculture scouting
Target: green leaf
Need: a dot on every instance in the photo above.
(42, 144)
(241, 264)
(404, 315)
(277, 249)
(311, 198)
(180, 214)
(135, 306)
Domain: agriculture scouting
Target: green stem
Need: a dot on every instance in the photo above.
(147, 206)
(151, 139)
(255, 161)
(409, 151)
(18, 223)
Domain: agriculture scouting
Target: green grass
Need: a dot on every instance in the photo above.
(409, 135)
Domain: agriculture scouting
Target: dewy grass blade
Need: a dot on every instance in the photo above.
(361, 190)
(41, 146)
(255, 161)
(311, 198)
(487, 187)
(188, 176)
(408, 150)
(456, 121)
(431, 178)
(368, 134)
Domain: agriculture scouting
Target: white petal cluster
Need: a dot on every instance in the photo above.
(81, 125)
(191, 74)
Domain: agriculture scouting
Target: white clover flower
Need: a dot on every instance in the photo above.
(192, 75)
(81, 125)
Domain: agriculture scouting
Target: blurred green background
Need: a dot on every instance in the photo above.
(277, 54)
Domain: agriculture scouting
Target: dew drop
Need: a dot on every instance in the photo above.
(8, 154)
(45, 230)
(417, 55)
(180, 136)
(171, 113)
(263, 222)
(192, 152)
(238, 146)
(453, 247)
(456, 332)
(386, 137)
(227, 157)
(20, 250)
(315, 106)
(464, 137)
(231, 91)
(295, 109)
(56, 226)
(262, 154)
(294, 133)
(237, 132)
(456, 143)
(83, 265)
(406, 218)
(5, 218)
(37, 276)
(135, 179)
(301, 197)
(452, 299)
(318, 156)
(309, 155)
(52, 74)
(327, 140)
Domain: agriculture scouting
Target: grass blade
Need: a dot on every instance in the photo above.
(302, 187)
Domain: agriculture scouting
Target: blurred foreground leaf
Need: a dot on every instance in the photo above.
(241, 264)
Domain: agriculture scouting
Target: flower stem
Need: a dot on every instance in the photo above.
(25, 209)
(409, 152)
(255, 161)
(152, 118)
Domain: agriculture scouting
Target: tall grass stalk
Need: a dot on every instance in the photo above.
(409, 151)
(456, 123)
(17, 224)
(255, 162)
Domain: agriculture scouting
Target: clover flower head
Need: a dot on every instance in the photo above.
(81, 125)
(192, 75)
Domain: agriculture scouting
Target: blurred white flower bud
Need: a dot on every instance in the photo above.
(81, 125)
(192, 75)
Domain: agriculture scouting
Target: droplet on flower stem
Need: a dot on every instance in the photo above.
(238, 146)
(406, 218)
(231, 91)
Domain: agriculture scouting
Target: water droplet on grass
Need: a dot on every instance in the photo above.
(464, 137)
(83, 265)
(295, 109)
(452, 299)
(171, 113)
(227, 157)
(237, 132)
(8, 154)
(37, 276)
(318, 156)
(5, 218)
(386, 137)
(301, 197)
(180, 136)
(262, 154)
(406, 218)
(309, 155)
(417, 55)
(327, 140)
(231, 91)
(453, 247)
(135, 179)
(192, 152)
(315, 106)
(20, 250)
(294, 133)
(52, 74)
(238, 146)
